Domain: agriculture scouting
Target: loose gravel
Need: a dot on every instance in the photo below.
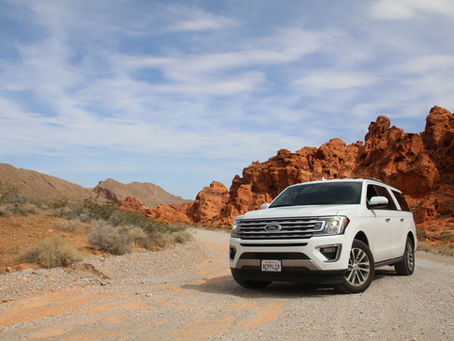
(187, 293)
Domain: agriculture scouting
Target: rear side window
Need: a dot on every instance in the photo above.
(401, 200)
(375, 190)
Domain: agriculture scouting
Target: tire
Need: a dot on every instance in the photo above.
(407, 266)
(250, 284)
(361, 269)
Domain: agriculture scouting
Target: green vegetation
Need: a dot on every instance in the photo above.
(442, 249)
(52, 252)
(118, 231)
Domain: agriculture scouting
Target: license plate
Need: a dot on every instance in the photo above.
(269, 265)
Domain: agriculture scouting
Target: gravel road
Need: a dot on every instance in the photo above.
(187, 293)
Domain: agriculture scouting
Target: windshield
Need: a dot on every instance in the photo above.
(330, 193)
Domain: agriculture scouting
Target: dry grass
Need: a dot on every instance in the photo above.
(52, 252)
(68, 225)
(442, 249)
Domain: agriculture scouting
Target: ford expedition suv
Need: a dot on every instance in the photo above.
(332, 232)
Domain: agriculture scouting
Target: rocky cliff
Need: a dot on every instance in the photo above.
(421, 165)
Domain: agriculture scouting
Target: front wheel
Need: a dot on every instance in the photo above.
(407, 266)
(361, 269)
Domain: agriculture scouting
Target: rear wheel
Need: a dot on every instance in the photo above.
(361, 269)
(407, 266)
(250, 284)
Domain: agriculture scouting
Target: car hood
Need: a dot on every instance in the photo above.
(299, 211)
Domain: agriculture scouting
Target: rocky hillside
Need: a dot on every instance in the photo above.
(149, 194)
(40, 187)
(421, 165)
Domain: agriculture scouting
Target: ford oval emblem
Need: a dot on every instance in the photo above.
(273, 227)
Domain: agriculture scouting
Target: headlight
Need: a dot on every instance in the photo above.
(333, 225)
(235, 229)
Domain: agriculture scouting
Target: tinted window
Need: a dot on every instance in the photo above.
(401, 200)
(375, 190)
(334, 193)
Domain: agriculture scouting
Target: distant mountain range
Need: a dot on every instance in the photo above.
(41, 187)
(150, 194)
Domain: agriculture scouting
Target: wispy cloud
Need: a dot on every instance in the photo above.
(317, 82)
(196, 20)
(407, 9)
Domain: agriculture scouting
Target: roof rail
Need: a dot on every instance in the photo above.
(378, 180)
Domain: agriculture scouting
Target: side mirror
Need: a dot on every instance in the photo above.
(264, 206)
(378, 202)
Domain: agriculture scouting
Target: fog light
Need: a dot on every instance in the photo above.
(330, 252)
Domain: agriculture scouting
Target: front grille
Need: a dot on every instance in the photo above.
(289, 228)
(273, 255)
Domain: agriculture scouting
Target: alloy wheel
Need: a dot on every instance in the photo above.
(358, 267)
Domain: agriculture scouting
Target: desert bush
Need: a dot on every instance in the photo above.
(159, 240)
(68, 225)
(6, 210)
(52, 252)
(443, 249)
(182, 237)
(446, 236)
(99, 210)
(29, 208)
(85, 217)
(9, 194)
(60, 205)
(116, 240)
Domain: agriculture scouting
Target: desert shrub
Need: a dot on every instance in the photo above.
(85, 217)
(6, 210)
(159, 240)
(99, 210)
(29, 208)
(60, 205)
(443, 249)
(9, 194)
(52, 252)
(137, 233)
(182, 237)
(446, 236)
(68, 225)
(116, 240)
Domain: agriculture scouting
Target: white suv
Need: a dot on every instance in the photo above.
(332, 232)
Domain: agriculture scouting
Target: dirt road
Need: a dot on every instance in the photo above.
(187, 293)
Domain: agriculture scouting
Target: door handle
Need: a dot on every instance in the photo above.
(388, 220)
(402, 220)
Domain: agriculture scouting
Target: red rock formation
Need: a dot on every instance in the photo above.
(132, 204)
(208, 204)
(170, 213)
(421, 165)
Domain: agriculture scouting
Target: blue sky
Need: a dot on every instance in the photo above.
(180, 93)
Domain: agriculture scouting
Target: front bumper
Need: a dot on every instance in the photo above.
(301, 259)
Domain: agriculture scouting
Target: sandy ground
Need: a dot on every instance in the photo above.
(187, 293)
